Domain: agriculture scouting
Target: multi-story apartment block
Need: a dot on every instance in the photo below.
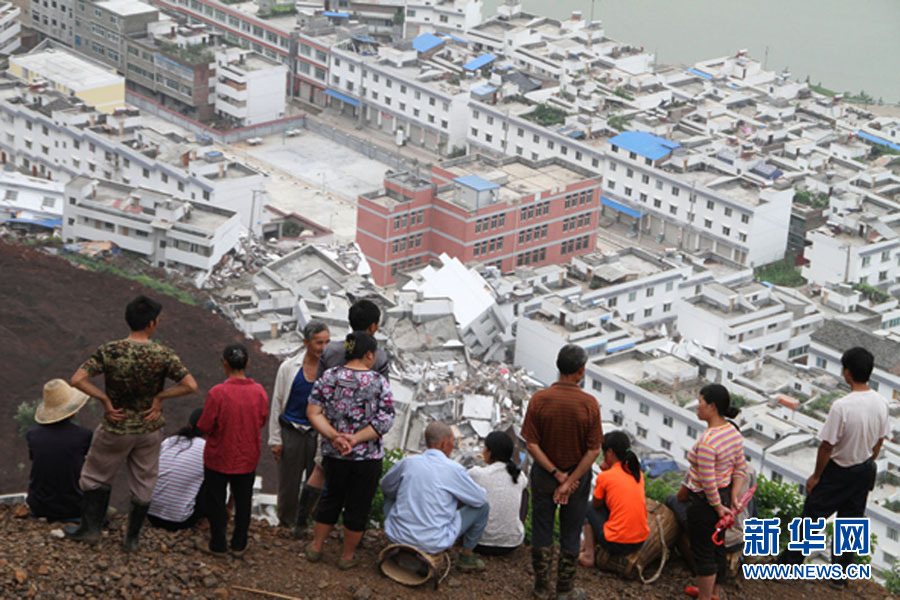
(250, 87)
(10, 28)
(63, 71)
(503, 212)
(190, 236)
(31, 198)
(50, 135)
(446, 16)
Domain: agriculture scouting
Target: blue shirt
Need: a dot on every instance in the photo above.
(426, 490)
(295, 411)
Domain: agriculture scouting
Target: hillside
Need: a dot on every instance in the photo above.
(53, 315)
(36, 564)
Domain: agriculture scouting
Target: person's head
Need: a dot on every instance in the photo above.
(857, 365)
(142, 314)
(715, 401)
(571, 361)
(315, 338)
(617, 448)
(498, 447)
(360, 346)
(235, 358)
(439, 436)
(364, 316)
(190, 431)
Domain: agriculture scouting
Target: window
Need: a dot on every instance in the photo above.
(675, 191)
(726, 230)
(893, 534)
(629, 173)
(707, 223)
(673, 209)
(692, 433)
(645, 408)
(641, 432)
(668, 420)
(597, 385)
(710, 205)
(648, 312)
(649, 292)
(612, 302)
(666, 444)
(620, 396)
(618, 419)
(667, 307)
(866, 260)
(745, 218)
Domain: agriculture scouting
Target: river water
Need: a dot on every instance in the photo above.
(846, 45)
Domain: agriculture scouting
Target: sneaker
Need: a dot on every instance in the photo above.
(469, 562)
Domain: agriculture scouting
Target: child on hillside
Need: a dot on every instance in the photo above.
(233, 417)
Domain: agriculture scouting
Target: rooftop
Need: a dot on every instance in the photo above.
(516, 178)
(126, 7)
(840, 335)
(67, 69)
(645, 144)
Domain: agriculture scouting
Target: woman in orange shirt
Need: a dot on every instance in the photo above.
(617, 517)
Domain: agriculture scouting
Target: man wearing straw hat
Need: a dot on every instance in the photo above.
(135, 370)
(57, 447)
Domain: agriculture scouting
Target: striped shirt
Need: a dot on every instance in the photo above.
(180, 477)
(716, 458)
(565, 422)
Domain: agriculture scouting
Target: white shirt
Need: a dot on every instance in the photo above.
(180, 477)
(504, 528)
(854, 425)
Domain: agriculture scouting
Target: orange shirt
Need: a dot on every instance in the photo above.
(624, 497)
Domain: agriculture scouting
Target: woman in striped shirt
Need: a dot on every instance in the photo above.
(718, 470)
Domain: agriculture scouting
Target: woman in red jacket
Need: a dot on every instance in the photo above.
(233, 416)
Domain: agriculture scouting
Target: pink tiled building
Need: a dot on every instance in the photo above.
(505, 212)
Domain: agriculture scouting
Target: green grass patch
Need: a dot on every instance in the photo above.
(781, 272)
(161, 287)
(820, 89)
(546, 115)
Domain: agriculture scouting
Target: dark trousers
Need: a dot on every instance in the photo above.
(543, 511)
(295, 467)
(350, 486)
(843, 490)
(242, 490)
(710, 558)
(597, 518)
(494, 550)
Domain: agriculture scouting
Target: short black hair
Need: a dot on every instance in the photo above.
(363, 314)
(571, 357)
(236, 356)
(357, 344)
(716, 393)
(141, 311)
(859, 362)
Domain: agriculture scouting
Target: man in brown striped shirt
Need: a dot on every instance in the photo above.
(563, 433)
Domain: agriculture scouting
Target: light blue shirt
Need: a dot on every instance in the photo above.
(426, 491)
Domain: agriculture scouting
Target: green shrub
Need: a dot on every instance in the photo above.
(892, 579)
(546, 115)
(781, 272)
(778, 499)
(660, 487)
(24, 416)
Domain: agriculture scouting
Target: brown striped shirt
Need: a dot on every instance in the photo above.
(565, 422)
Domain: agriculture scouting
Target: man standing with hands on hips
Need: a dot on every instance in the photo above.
(563, 433)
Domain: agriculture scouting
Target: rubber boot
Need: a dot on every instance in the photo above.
(309, 498)
(136, 517)
(565, 577)
(93, 512)
(540, 562)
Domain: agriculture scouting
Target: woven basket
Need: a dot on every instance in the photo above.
(663, 531)
(410, 566)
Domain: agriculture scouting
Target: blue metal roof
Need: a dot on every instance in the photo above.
(340, 15)
(479, 184)
(643, 143)
(699, 73)
(48, 223)
(342, 97)
(877, 140)
(624, 346)
(364, 39)
(620, 207)
(456, 38)
(477, 63)
(426, 42)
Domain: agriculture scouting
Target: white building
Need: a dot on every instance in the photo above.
(31, 198)
(10, 28)
(442, 15)
(188, 236)
(250, 88)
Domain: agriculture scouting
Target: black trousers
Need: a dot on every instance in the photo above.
(543, 511)
(242, 490)
(350, 486)
(701, 520)
(843, 490)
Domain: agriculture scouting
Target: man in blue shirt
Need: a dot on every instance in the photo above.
(422, 498)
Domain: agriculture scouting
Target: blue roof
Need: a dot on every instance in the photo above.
(477, 63)
(624, 346)
(878, 140)
(620, 207)
(426, 42)
(484, 89)
(699, 73)
(340, 15)
(643, 143)
(456, 38)
(48, 223)
(479, 184)
(342, 97)
(364, 39)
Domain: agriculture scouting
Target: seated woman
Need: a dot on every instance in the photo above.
(617, 517)
(504, 484)
(178, 495)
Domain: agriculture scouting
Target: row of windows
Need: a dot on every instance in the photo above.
(570, 246)
(488, 246)
(533, 233)
(533, 257)
(409, 219)
(535, 210)
(491, 222)
(576, 222)
(631, 155)
(405, 264)
(632, 296)
(885, 256)
(413, 241)
(576, 199)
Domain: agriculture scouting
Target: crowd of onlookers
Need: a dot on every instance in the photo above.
(330, 409)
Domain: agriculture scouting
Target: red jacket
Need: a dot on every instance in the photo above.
(233, 417)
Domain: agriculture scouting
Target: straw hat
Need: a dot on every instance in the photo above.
(60, 401)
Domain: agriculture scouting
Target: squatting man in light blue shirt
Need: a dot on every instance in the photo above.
(430, 500)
